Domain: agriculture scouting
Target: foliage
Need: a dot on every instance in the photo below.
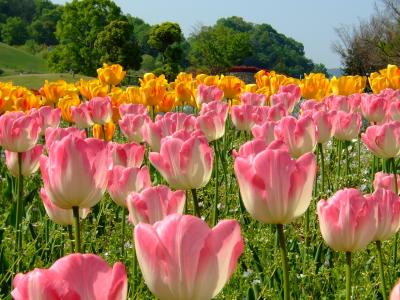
(14, 31)
(43, 28)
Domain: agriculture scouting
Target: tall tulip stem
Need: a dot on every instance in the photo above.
(396, 189)
(348, 275)
(196, 203)
(123, 221)
(215, 207)
(77, 228)
(381, 270)
(71, 238)
(321, 153)
(285, 266)
(18, 218)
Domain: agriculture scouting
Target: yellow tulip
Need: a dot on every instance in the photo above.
(167, 103)
(133, 95)
(111, 74)
(184, 93)
(52, 91)
(268, 83)
(105, 132)
(92, 88)
(153, 90)
(23, 99)
(211, 80)
(314, 86)
(385, 78)
(252, 88)
(348, 85)
(231, 86)
(147, 77)
(65, 103)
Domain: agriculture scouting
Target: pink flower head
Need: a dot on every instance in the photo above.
(299, 135)
(277, 112)
(212, 125)
(30, 161)
(218, 107)
(374, 107)
(395, 294)
(132, 127)
(388, 213)
(59, 215)
(348, 222)
(338, 103)
(55, 134)
(101, 110)
(122, 181)
(154, 203)
(127, 155)
(323, 121)
(182, 258)
(288, 95)
(394, 111)
(390, 94)
(81, 115)
(75, 171)
(206, 94)
(383, 140)
(48, 117)
(275, 188)
(134, 109)
(75, 276)
(19, 132)
(252, 99)
(244, 116)
(385, 181)
(355, 102)
(185, 160)
(346, 126)
(312, 105)
(264, 132)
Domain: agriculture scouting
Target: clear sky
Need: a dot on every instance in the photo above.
(310, 22)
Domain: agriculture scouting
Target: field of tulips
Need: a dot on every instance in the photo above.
(201, 188)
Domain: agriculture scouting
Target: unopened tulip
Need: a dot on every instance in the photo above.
(75, 171)
(127, 155)
(185, 160)
(132, 127)
(383, 140)
(154, 203)
(299, 135)
(19, 132)
(81, 115)
(122, 181)
(197, 261)
(75, 276)
(373, 107)
(264, 132)
(385, 181)
(252, 99)
(30, 161)
(101, 110)
(346, 126)
(275, 188)
(348, 222)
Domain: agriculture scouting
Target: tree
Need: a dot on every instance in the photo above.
(14, 32)
(117, 44)
(164, 35)
(43, 28)
(141, 31)
(77, 31)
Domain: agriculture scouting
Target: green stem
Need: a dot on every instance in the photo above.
(134, 270)
(348, 275)
(18, 218)
(215, 208)
(282, 248)
(396, 189)
(339, 163)
(123, 232)
(321, 152)
(196, 203)
(71, 239)
(381, 270)
(359, 155)
(347, 160)
(75, 210)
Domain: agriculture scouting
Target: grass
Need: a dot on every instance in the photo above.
(15, 61)
(35, 81)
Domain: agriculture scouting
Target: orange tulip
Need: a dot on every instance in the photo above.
(111, 74)
(65, 103)
(92, 88)
(104, 132)
(231, 86)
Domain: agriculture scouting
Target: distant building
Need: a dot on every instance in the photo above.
(245, 73)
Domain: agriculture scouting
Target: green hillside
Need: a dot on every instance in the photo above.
(15, 61)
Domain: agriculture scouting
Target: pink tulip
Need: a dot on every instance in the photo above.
(293, 89)
(75, 276)
(264, 132)
(313, 105)
(154, 203)
(212, 125)
(348, 222)
(277, 112)
(275, 188)
(288, 95)
(101, 110)
(122, 181)
(243, 116)
(127, 155)
(252, 99)
(395, 294)
(55, 134)
(206, 94)
(299, 135)
(181, 258)
(323, 121)
(373, 107)
(346, 126)
(388, 213)
(132, 127)
(394, 111)
(383, 140)
(58, 215)
(19, 132)
(354, 102)
(75, 171)
(385, 181)
(48, 117)
(135, 109)
(338, 103)
(218, 107)
(185, 160)
(81, 115)
(261, 114)
(250, 149)
(30, 161)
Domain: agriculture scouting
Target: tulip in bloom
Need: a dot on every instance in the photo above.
(338, 103)
(231, 86)
(127, 155)
(373, 107)
(348, 221)
(395, 294)
(277, 112)
(75, 172)
(75, 276)
(264, 132)
(48, 117)
(347, 85)
(154, 203)
(323, 122)
(244, 116)
(30, 161)
(196, 261)
(383, 140)
(132, 127)
(299, 135)
(212, 125)
(206, 94)
(122, 181)
(252, 99)
(288, 95)
(312, 105)
(135, 109)
(59, 215)
(385, 181)
(111, 74)
(55, 134)
(101, 110)
(19, 132)
(185, 160)
(394, 111)
(275, 188)
(81, 115)
(346, 126)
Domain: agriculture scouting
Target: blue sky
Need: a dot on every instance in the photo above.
(311, 22)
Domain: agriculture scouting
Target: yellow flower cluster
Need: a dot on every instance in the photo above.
(385, 78)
